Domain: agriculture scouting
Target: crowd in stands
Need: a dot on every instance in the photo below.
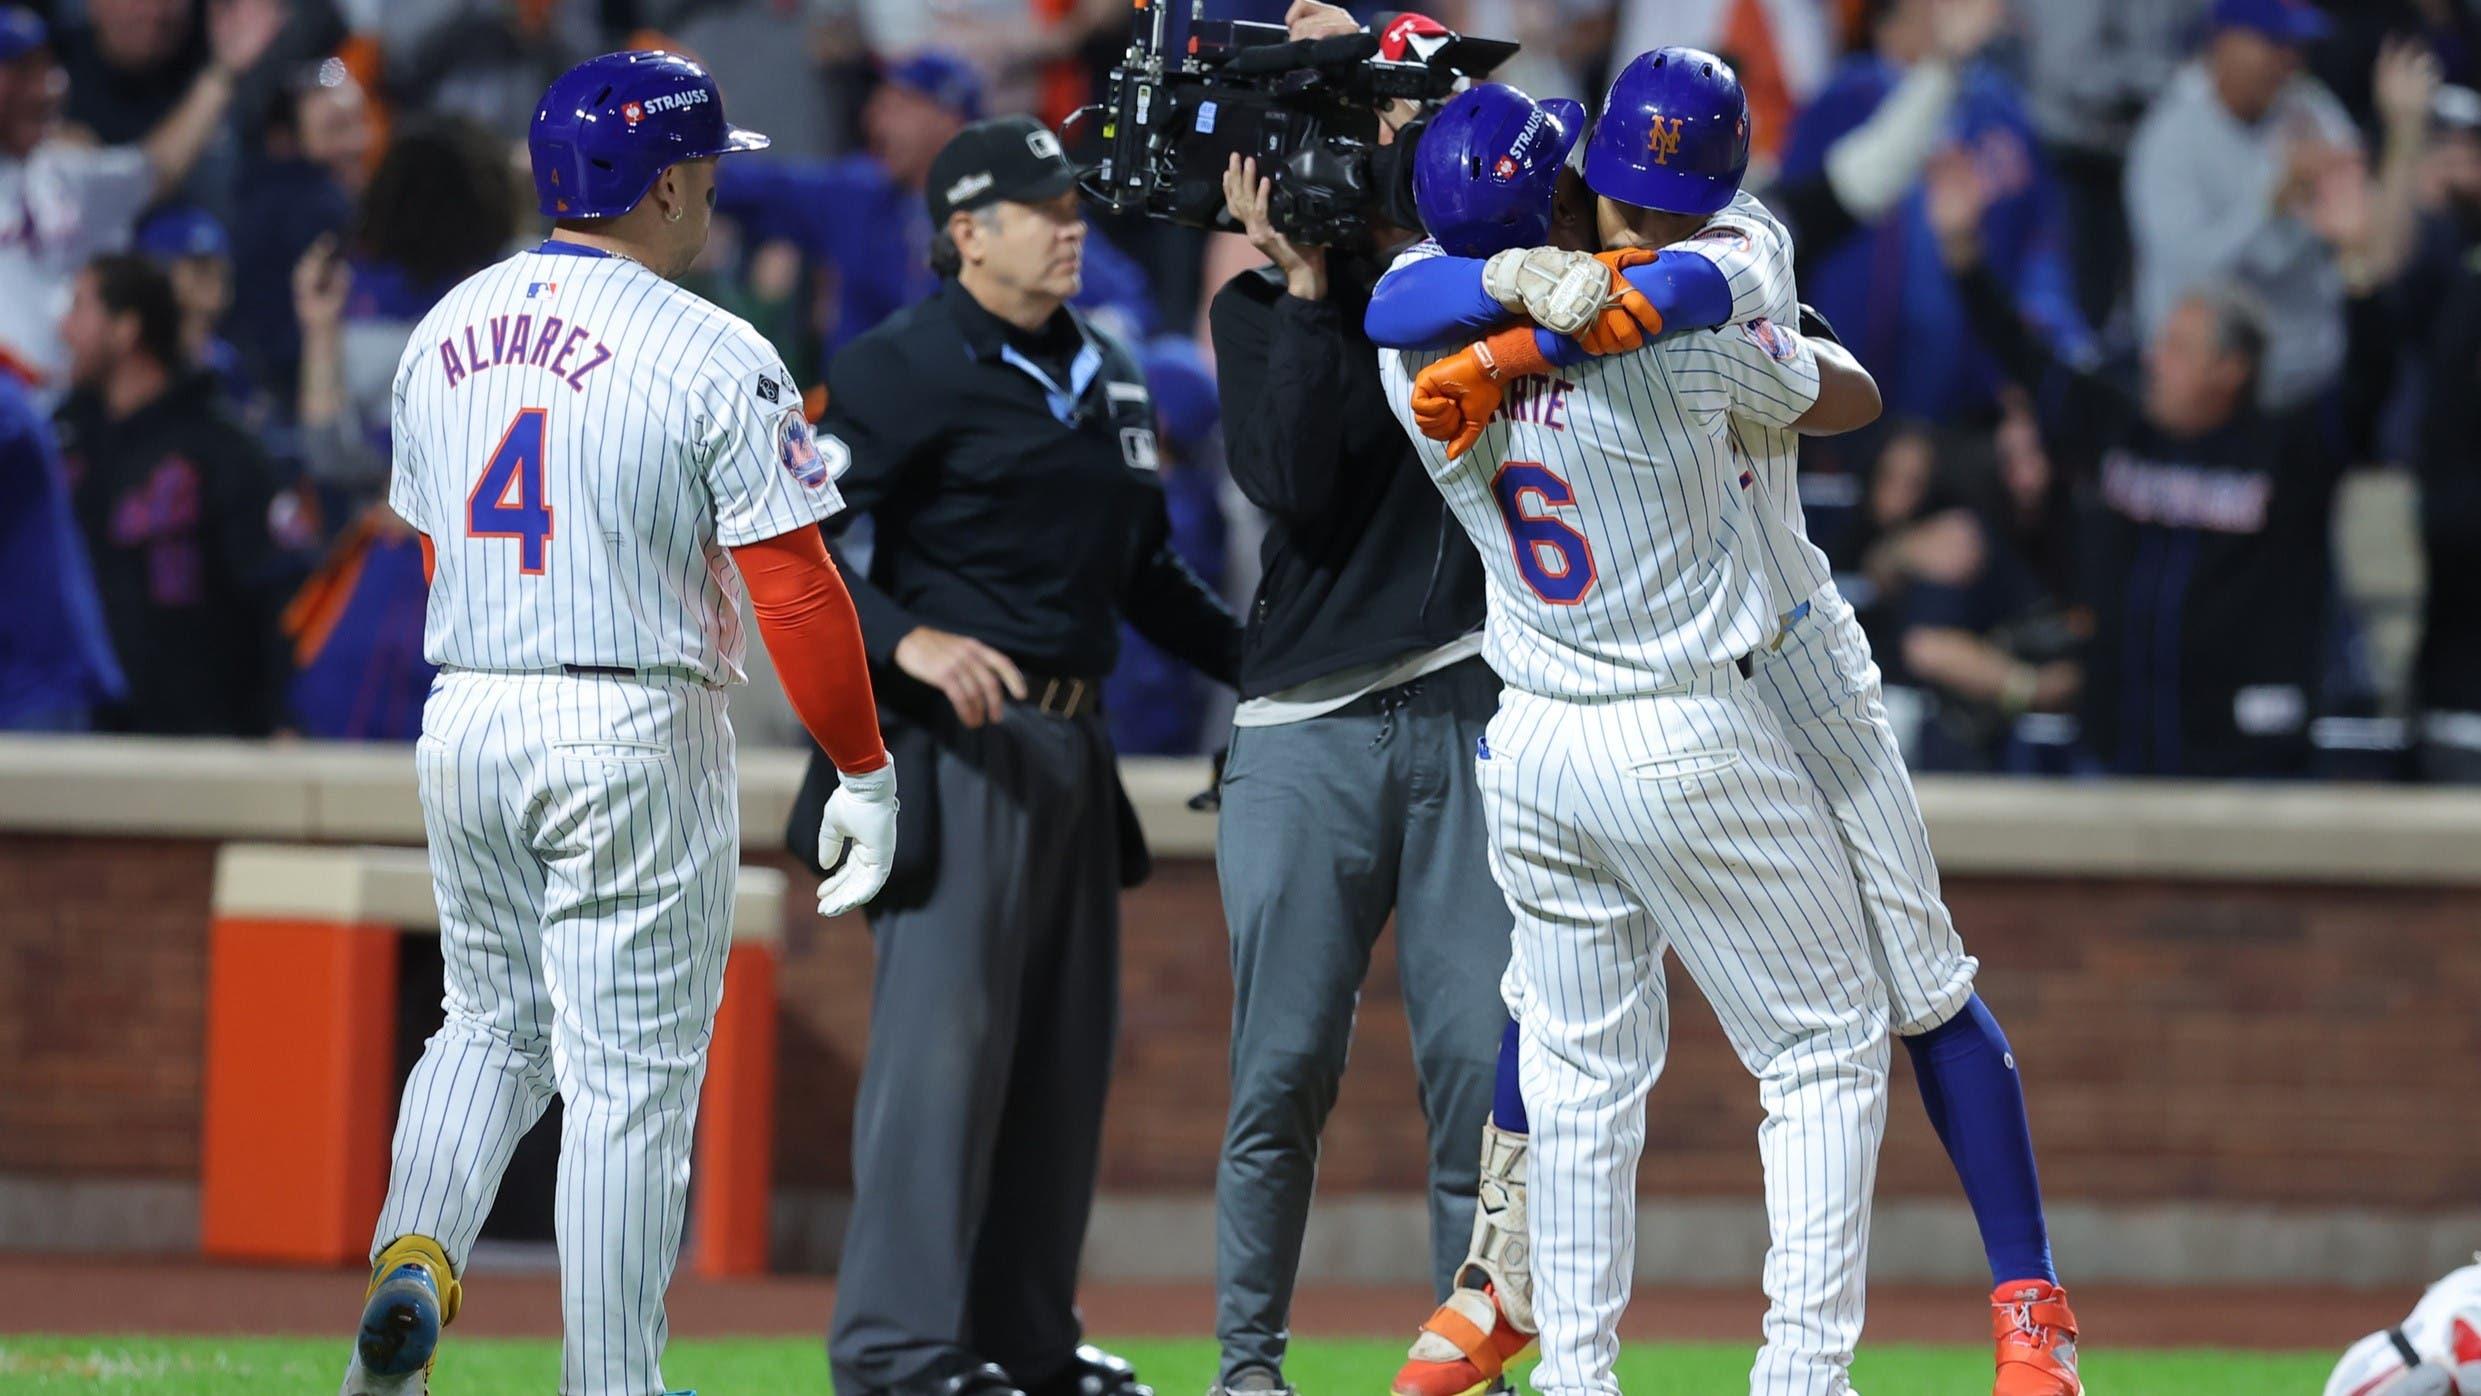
(2141, 281)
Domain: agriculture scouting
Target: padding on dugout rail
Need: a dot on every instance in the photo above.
(301, 1074)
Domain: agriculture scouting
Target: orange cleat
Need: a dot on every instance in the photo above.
(2036, 1334)
(1463, 1349)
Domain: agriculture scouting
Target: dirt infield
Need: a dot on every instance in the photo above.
(188, 1296)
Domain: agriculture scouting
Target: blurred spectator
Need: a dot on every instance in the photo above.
(128, 62)
(1962, 599)
(56, 662)
(1156, 703)
(1029, 49)
(1884, 289)
(486, 60)
(2222, 176)
(1877, 164)
(2451, 29)
(188, 529)
(132, 62)
(441, 206)
(2207, 553)
(61, 203)
(2446, 676)
(780, 59)
(861, 219)
(190, 245)
(864, 220)
(314, 159)
(1567, 43)
(2091, 69)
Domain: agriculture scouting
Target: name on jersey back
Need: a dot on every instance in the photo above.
(504, 341)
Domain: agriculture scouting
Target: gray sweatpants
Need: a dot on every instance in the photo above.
(1327, 826)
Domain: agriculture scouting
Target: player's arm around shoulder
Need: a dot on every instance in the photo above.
(1773, 374)
(1752, 252)
(1848, 397)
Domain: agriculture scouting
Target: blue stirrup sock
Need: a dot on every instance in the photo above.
(1976, 1102)
(1507, 1108)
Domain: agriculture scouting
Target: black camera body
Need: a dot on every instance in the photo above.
(1306, 111)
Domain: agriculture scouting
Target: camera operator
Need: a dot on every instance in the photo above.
(1348, 791)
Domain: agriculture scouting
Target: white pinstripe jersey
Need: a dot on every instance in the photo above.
(1754, 252)
(583, 440)
(1613, 517)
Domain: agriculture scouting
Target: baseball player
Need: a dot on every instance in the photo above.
(590, 453)
(1816, 676)
(2436, 1352)
(1641, 795)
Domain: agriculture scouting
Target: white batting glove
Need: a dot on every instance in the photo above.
(858, 831)
(1560, 291)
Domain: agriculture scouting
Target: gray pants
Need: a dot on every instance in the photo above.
(981, 1110)
(1327, 826)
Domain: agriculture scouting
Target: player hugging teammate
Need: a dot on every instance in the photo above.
(1692, 751)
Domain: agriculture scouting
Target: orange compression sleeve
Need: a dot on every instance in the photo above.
(806, 618)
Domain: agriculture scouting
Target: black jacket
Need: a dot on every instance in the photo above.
(2205, 560)
(1362, 560)
(2447, 674)
(194, 546)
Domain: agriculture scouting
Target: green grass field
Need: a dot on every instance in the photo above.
(262, 1367)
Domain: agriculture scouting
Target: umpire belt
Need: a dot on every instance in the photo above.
(1062, 695)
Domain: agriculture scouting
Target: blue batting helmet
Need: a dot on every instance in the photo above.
(609, 125)
(1674, 134)
(1487, 166)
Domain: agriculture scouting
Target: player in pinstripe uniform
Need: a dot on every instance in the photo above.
(1819, 679)
(1642, 795)
(596, 459)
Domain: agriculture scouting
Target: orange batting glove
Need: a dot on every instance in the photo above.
(1628, 319)
(1456, 397)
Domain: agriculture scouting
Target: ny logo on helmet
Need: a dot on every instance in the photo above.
(1664, 139)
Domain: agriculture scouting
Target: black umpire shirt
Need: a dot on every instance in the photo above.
(1012, 480)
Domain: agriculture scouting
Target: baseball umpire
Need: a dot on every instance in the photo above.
(1004, 448)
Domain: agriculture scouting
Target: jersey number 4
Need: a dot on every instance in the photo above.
(507, 501)
(1553, 558)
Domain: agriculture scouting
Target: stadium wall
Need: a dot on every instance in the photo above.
(2246, 1016)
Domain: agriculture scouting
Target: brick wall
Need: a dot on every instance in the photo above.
(2280, 1045)
(103, 971)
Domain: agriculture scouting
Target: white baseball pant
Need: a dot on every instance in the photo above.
(584, 840)
(1684, 819)
(1823, 687)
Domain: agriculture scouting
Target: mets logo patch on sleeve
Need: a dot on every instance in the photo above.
(800, 454)
(1769, 336)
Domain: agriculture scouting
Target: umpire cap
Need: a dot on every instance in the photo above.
(611, 124)
(1674, 134)
(1010, 157)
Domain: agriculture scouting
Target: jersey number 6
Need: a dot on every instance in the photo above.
(515, 468)
(1554, 559)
